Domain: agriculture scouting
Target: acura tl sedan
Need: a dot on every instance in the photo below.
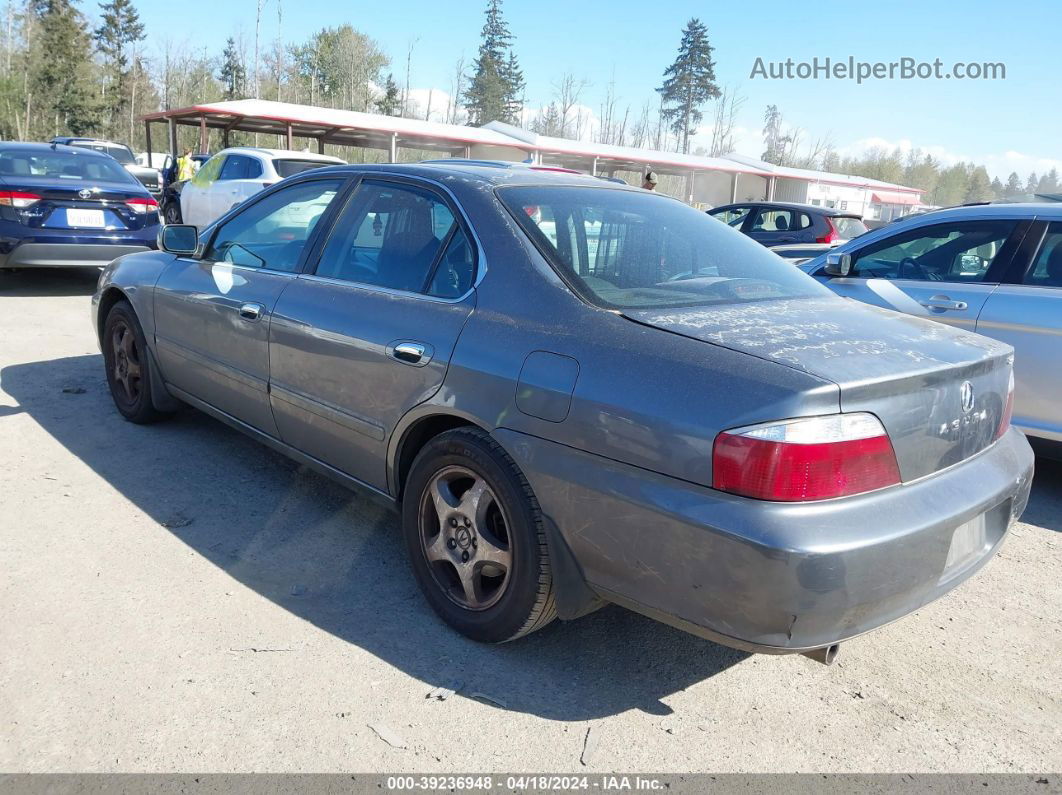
(577, 392)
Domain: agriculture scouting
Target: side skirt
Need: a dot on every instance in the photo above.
(315, 464)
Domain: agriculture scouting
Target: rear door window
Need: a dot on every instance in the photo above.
(399, 237)
(780, 221)
(1046, 270)
(240, 167)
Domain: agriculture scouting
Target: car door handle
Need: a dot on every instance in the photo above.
(942, 303)
(416, 353)
(251, 311)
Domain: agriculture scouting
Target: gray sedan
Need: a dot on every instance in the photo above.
(577, 393)
(995, 269)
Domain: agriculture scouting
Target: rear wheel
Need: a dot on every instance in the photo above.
(128, 365)
(476, 543)
(171, 213)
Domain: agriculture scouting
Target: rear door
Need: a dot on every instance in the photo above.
(942, 271)
(212, 314)
(368, 335)
(1028, 315)
(239, 180)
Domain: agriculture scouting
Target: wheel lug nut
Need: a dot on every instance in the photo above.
(451, 543)
(453, 522)
(468, 522)
(474, 544)
(464, 556)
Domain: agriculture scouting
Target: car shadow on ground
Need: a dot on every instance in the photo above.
(44, 282)
(336, 559)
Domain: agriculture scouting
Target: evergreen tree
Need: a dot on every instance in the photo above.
(978, 186)
(61, 71)
(232, 74)
(773, 139)
(388, 104)
(496, 86)
(1048, 182)
(1013, 186)
(549, 122)
(120, 28)
(1032, 183)
(689, 83)
(997, 188)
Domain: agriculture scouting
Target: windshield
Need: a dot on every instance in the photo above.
(120, 153)
(61, 165)
(848, 227)
(632, 249)
(288, 168)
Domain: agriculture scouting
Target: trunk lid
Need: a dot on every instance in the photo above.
(909, 372)
(105, 203)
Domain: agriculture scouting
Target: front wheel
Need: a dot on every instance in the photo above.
(171, 213)
(128, 364)
(476, 543)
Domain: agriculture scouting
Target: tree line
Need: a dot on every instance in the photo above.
(61, 74)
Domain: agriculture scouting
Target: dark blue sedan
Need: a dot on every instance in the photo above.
(65, 207)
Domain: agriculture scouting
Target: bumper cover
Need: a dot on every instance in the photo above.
(771, 577)
(66, 255)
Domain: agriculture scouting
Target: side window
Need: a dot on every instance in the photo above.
(734, 217)
(1046, 271)
(235, 167)
(272, 233)
(776, 221)
(392, 236)
(209, 171)
(801, 221)
(961, 251)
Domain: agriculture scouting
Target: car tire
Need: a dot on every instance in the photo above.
(128, 366)
(475, 538)
(171, 213)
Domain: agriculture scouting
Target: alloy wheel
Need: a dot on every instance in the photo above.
(465, 538)
(126, 369)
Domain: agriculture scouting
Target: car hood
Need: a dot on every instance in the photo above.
(908, 371)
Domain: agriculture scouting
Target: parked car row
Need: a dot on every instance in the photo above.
(576, 392)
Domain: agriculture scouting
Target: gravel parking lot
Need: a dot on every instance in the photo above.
(180, 598)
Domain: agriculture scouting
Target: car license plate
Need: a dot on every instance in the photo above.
(88, 218)
(968, 542)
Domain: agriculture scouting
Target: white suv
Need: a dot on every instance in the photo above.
(234, 175)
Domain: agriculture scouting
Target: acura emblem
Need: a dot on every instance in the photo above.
(966, 396)
(85, 193)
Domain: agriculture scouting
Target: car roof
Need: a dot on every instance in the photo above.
(282, 153)
(1002, 210)
(39, 148)
(69, 139)
(484, 172)
(831, 211)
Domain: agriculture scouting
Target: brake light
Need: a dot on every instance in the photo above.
(1008, 409)
(805, 459)
(142, 206)
(14, 198)
(831, 236)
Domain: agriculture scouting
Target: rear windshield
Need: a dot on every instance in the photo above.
(634, 249)
(62, 165)
(119, 153)
(288, 168)
(848, 227)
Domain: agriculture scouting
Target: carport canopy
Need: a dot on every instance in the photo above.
(324, 125)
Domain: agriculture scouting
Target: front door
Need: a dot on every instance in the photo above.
(944, 271)
(212, 314)
(369, 334)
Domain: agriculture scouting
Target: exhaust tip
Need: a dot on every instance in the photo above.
(826, 655)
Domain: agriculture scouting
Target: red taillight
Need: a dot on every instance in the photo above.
(14, 198)
(806, 459)
(142, 206)
(831, 236)
(1008, 409)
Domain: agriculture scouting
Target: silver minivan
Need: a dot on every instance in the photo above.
(995, 269)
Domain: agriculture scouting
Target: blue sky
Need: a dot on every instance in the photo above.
(1010, 124)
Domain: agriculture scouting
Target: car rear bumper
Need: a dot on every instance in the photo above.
(66, 255)
(766, 576)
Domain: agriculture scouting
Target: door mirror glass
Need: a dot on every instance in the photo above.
(179, 238)
(838, 263)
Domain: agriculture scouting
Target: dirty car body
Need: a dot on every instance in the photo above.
(623, 350)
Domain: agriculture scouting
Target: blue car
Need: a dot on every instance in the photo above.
(64, 207)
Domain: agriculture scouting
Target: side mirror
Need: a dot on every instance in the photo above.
(179, 238)
(838, 264)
